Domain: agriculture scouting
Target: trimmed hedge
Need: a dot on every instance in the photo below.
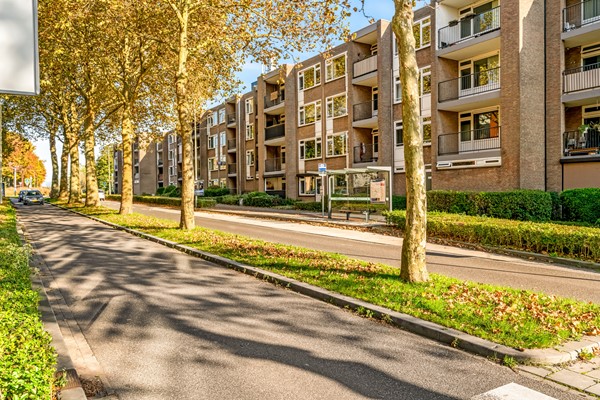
(398, 202)
(581, 205)
(215, 191)
(169, 201)
(308, 205)
(544, 238)
(522, 205)
(27, 360)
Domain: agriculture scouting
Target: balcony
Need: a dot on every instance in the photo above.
(584, 143)
(364, 115)
(581, 78)
(274, 103)
(364, 154)
(365, 72)
(230, 120)
(274, 132)
(580, 23)
(469, 28)
(231, 145)
(273, 165)
(477, 140)
(460, 93)
(231, 169)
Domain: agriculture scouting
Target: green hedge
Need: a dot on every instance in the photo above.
(27, 360)
(398, 202)
(581, 205)
(215, 191)
(308, 205)
(522, 205)
(545, 238)
(169, 201)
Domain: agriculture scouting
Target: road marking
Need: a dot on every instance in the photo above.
(512, 391)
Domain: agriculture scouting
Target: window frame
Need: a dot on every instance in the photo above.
(212, 142)
(249, 106)
(422, 25)
(330, 101)
(329, 67)
(302, 113)
(249, 131)
(330, 141)
(318, 148)
(302, 80)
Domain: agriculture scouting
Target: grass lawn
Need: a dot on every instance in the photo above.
(516, 318)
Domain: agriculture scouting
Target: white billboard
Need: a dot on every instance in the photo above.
(19, 67)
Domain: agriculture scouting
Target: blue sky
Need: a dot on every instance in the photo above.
(377, 9)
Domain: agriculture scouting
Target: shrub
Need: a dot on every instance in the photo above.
(398, 203)
(230, 199)
(308, 205)
(523, 205)
(205, 203)
(215, 191)
(27, 360)
(261, 199)
(169, 201)
(581, 205)
(562, 240)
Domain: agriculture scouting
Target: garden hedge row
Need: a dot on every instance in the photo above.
(27, 360)
(581, 205)
(170, 201)
(545, 238)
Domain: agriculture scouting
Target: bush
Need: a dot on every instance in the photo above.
(169, 201)
(581, 205)
(545, 238)
(308, 205)
(27, 360)
(230, 199)
(522, 205)
(261, 199)
(215, 191)
(205, 203)
(398, 203)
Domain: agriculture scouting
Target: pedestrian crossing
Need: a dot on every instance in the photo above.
(512, 391)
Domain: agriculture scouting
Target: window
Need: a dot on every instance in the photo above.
(214, 182)
(397, 89)
(309, 77)
(425, 80)
(249, 157)
(309, 113)
(336, 106)
(249, 131)
(337, 144)
(425, 129)
(590, 55)
(399, 134)
(310, 149)
(212, 164)
(212, 142)
(309, 185)
(222, 141)
(221, 115)
(249, 106)
(335, 67)
(422, 33)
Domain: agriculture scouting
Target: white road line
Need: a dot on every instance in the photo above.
(512, 391)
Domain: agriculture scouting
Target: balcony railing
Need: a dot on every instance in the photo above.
(467, 85)
(231, 144)
(582, 78)
(364, 153)
(230, 119)
(364, 111)
(469, 141)
(469, 27)
(270, 102)
(580, 14)
(581, 143)
(273, 165)
(365, 66)
(231, 168)
(275, 131)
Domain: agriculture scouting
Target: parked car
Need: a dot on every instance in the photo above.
(101, 195)
(22, 195)
(33, 197)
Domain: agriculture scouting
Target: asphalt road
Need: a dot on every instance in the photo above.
(165, 325)
(460, 263)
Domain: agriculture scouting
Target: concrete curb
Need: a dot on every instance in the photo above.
(561, 354)
(72, 389)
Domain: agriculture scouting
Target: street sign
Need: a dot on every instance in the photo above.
(322, 169)
(19, 69)
(27, 181)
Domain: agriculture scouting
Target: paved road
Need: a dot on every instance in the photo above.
(464, 264)
(165, 325)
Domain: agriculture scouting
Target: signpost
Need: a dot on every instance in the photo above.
(322, 174)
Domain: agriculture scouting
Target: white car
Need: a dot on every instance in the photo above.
(101, 195)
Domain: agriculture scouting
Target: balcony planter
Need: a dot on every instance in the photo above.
(454, 22)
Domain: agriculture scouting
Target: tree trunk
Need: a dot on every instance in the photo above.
(187, 187)
(54, 159)
(74, 187)
(414, 267)
(63, 191)
(91, 181)
(127, 173)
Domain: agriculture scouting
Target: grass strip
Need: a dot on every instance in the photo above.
(27, 361)
(516, 318)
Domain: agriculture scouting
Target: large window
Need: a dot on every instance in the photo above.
(397, 88)
(212, 164)
(309, 113)
(422, 33)
(425, 80)
(249, 131)
(221, 115)
(335, 67)
(249, 157)
(249, 106)
(399, 131)
(309, 185)
(310, 149)
(309, 77)
(212, 142)
(337, 144)
(336, 106)
(424, 128)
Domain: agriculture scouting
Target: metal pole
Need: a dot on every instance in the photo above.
(15, 179)
(195, 156)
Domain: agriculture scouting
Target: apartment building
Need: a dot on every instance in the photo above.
(509, 99)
